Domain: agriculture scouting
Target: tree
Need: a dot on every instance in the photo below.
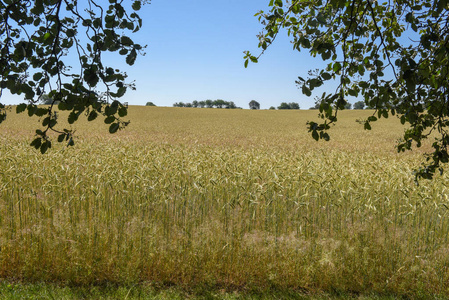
(230, 105)
(219, 103)
(195, 103)
(209, 103)
(179, 104)
(359, 105)
(150, 104)
(294, 105)
(45, 99)
(284, 105)
(291, 105)
(37, 37)
(348, 105)
(253, 104)
(393, 54)
(272, 108)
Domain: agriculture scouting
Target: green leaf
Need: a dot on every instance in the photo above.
(120, 92)
(315, 83)
(36, 143)
(62, 106)
(126, 41)
(40, 111)
(92, 115)
(137, 5)
(253, 59)
(45, 146)
(37, 76)
(73, 117)
(31, 109)
(114, 127)
(109, 120)
(46, 121)
(61, 137)
(131, 57)
(306, 91)
(91, 77)
(337, 67)
(353, 92)
(326, 76)
(110, 110)
(21, 108)
(122, 112)
(315, 135)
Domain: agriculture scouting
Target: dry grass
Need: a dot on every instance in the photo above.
(225, 198)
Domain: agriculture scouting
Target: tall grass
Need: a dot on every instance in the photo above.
(229, 199)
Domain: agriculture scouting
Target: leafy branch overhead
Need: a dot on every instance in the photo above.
(393, 55)
(37, 40)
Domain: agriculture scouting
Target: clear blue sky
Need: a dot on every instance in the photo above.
(195, 52)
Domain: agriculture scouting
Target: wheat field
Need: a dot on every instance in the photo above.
(231, 199)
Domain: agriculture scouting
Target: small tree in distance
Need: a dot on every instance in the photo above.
(294, 105)
(46, 100)
(359, 105)
(253, 104)
(150, 104)
(284, 105)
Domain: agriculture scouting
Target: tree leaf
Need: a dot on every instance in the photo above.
(114, 127)
(306, 91)
(61, 137)
(21, 108)
(315, 135)
(109, 120)
(92, 115)
(36, 143)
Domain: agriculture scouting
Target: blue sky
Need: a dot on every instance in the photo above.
(195, 52)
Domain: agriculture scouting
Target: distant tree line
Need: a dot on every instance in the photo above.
(284, 105)
(219, 103)
(357, 105)
(291, 105)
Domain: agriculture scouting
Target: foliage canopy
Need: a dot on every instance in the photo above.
(253, 104)
(291, 105)
(39, 37)
(393, 55)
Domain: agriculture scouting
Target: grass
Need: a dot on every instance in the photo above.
(52, 291)
(223, 200)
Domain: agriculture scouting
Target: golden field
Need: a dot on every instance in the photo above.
(231, 199)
